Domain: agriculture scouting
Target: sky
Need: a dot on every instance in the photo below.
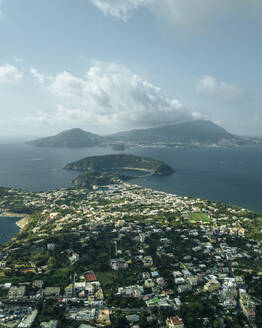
(111, 65)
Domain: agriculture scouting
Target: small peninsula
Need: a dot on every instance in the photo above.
(89, 179)
(121, 161)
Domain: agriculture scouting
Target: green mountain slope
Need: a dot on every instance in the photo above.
(194, 131)
(198, 132)
(70, 139)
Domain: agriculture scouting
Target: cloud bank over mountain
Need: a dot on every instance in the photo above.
(110, 94)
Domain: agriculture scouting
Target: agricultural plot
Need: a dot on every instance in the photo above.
(199, 217)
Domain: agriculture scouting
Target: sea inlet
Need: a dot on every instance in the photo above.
(8, 228)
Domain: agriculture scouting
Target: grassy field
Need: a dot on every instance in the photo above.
(197, 216)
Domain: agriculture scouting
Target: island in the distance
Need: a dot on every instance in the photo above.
(196, 133)
(95, 168)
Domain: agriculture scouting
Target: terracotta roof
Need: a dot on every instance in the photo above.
(176, 320)
(90, 277)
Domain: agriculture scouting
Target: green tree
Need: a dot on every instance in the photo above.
(217, 323)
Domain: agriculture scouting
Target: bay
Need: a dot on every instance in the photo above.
(230, 175)
(8, 228)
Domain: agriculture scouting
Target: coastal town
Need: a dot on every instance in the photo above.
(126, 256)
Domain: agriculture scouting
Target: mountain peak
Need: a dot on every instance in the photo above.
(188, 133)
(72, 138)
(197, 131)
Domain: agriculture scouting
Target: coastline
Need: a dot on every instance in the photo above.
(22, 218)
(11, 214)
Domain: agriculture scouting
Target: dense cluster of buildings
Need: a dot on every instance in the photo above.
(160, 250)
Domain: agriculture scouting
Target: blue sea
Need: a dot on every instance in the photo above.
(8, 228)
(230, 175)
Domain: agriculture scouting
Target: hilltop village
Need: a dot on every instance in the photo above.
(126, 256)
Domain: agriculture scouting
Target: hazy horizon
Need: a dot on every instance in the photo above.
(31, 137)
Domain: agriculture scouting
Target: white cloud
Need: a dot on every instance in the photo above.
(110, 95)
(10, 74)
(189, 14)
(209, 86)
(199, 116)
(185, 14)
(40, 77)
(120, 8)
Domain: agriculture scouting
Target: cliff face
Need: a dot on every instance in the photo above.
(164, 170)
(121, 161)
